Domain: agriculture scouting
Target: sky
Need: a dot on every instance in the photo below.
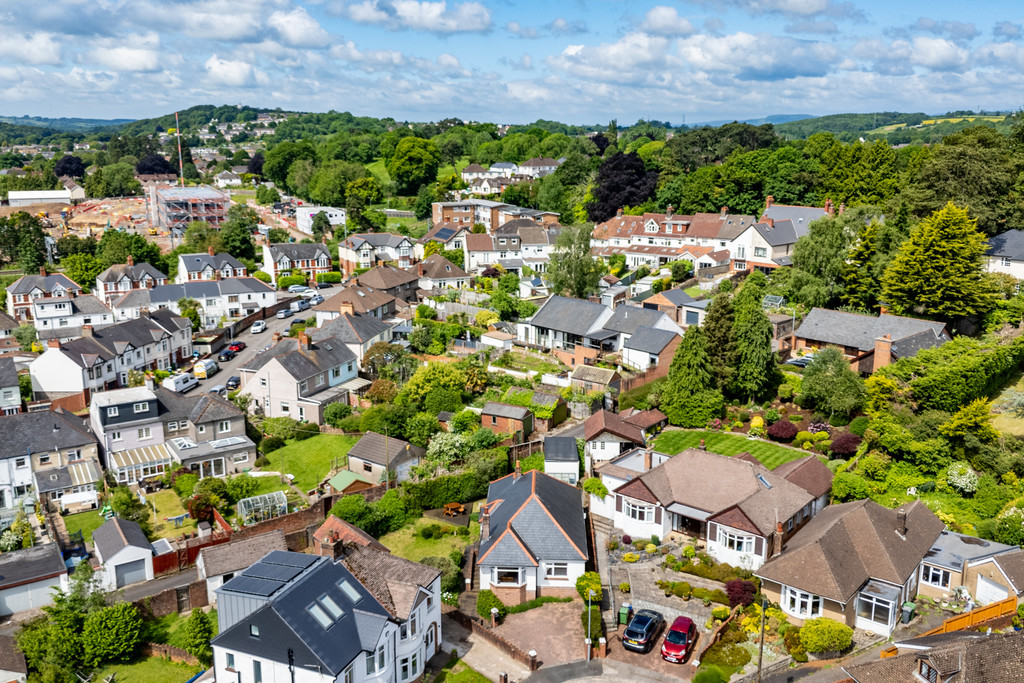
(577, 61)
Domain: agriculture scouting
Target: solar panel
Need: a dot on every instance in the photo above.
(290, 559)
(277, 572)
(252, 585)
(444, 233)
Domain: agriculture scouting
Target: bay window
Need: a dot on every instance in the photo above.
(506, 575)
(741, 543)
(641, 513)
(800, 604)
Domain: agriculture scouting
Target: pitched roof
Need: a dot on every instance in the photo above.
(117, 533)
(386, 277)
(572, 316)
(47, 283)
(781, 232)
(296, 251)
(560, 449)
(607, 421)
(676, 296)
(538, 161)
(344, 531)
(374, 239)
(394, 581)
(808, 473)
(627, 319)
(507, 410)
(846, 545)
(134, 272)
(645, 419)
(649, 339)
(7, 322)
(1009, 244)
(350, 329)
(31, 564)
(953, 551)
(24, 433)
(384, 451)
(533, 517)
(235, 556)
(589, 373)
(1012, 564)
(474, 168)
(800, 215)
(195, 263)
(11, 658)
(8, 372)
(363, 299)
(437, 267)
(860, 331)
(302, 362)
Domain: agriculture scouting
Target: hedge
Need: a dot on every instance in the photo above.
(328, 277)
(825, 635)
(536, 602)
(289, 280)
(486, 600)
(594, 619)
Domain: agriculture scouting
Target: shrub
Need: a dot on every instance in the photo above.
(451, 577)
(185, 485)
(655, 540)
(198, 632)
(650, 548)
(689, 552)
(334, 277)
(612, 544)
(820, 437)
(847, 486)
(839, 420)
(262, 461)
(624, 587)
(720, 613)
(962, 478)
(335, 413)
(845, 444)
(793, 645)
(740, 592)
(639, 544)
(592, 616)
(431, 531)
(627, 539)
(804, 437)
(271, 444)
(630, 557)
(859, 425)
(589, 581)
(771, 416)
(783, 430)
(594, 486)
(111, 634)
(825, 635)
(796, 419)
(709, 596)
(785, 392)
(711, 674)
(682, 590)
(729, 655)
(744, 416)
(486, 600)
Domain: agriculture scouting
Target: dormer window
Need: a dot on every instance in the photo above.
(140, 407)
(112, 411)
(926, 672)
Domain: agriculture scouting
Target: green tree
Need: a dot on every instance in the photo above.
(111, 634)
(198, 633)
(690, 397)
(861, 286)
(236, 233)
(22, 241)
(973, 421)
(120, 181)
(572, 269)
(421, 428)
(432, 376)
(26, 336)
(831, 385)
(757, 372)
(83, 269)
(937, 272)
(321, 225)
(115, 247)
(189, 308)
(719, 330)
(277, 236)
(127, 505)
(328, 184)
(414, 164)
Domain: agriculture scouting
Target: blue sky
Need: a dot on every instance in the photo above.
(580, 61)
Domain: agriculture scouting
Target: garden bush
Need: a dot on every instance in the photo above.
(730, 655)
(847, 486)
(715, 595)
(332, 277)
(451, 577)
(859, 425)
(740, 592)
(804, 437)
(845, 444)
(720, 613)
(589, 581)
(486, 600)
(630, 557)
(785, 392)
(627, 539)
(592, 616)
(271, 444)
(682, 590)
(793, 645)
(783, 430)
(825, 635)
(711, 674)
(839, 420)
(624, 587)
(335, 413)
(771, 416)
(431, 531)
(185, 485)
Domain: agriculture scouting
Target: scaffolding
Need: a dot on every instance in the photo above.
(177, 207)
(263, 507)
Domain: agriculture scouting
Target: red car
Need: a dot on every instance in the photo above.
(237, 346)
(679, 640)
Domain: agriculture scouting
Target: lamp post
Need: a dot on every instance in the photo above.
(760, 651)
(590, 614)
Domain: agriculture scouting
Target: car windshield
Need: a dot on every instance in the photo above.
(676, 638)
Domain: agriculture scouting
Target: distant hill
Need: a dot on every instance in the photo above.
(847, 123)
(63, 124)
(774, 119)
(190, 120)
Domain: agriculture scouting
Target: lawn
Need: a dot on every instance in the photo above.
(379, 169)
(524, 362)
(169, 505)
(460, 672)
(1003, 419)
(169, 629)
(310, 460)
(86, 522)
(407, 543)
(150, 670)
(771, 455)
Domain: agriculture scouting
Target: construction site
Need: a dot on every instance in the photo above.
(173, 208)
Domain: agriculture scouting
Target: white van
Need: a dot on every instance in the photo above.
(205, 368)
(299, 305)
(181, 383)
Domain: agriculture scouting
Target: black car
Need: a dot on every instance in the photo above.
(226, 355)
(324, 285)
(642, 632)
(233, 382)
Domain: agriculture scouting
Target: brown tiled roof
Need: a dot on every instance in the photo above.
(645, 419)
(846, 545)
(386, 277)
(479, 242)
(808, 473)
(237, 555)
(437, 267)
(364, 299)
(11, 658)
(394, 581)
(607, 421)
(438, 228)
(1012, 564)
(349, 533)
(474, 168)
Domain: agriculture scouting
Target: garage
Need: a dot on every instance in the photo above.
(989, 591)
(130, 572)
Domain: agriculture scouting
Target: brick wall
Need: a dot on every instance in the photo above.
(293, 521)
(166, 601)
(175, 654)
(556, 592)
(515, 595)
(493, 638)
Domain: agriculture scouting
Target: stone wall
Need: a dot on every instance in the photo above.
(166, 601)
(175, 654)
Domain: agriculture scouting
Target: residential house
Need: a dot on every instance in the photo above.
(118, 280)
(399, 283)
(124, 553)
(39, 446)
(803, 215)
(357, 332)
(650, 421)
(536, 240)
(375, 454)
(649, 347)
(10, 388)
(868, 342)
(671, 303)
(227, 179)
(63, 317)
(218, 299)
(357, 299)
(504, 418)
(499, 340)
(299, 378)
(533, 538)
(102, 359)
(626, 320)
(743, 511)
(29, 578)
(7, 327)
(209, 266)
(218, 564)
(607, 436)
(316, 619)
(809, 474)
(76, 190)
(538, 167)
(588, 378)
(370, 249)
(473, 172)
(450, 237)
(436, 272)
(485, 212)
(856, 563)
(304, 216)
(1006, 253)
(29, 288)
(572, 328)
(311, 259)
(987, 570)
(960, 657)
(766, 245)
(562, 459)
(336, 537)
(484, 251)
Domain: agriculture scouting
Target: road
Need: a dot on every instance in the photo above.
(146, 589)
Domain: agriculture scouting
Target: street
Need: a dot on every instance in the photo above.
(253, 343)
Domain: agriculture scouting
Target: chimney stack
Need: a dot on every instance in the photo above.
(778, 538)
(647, 458)
(86, 330)
(276, 337)
(42, 271)
(304, 340)
(724, 212)
(519, 471)
(768, 201)
(883, 352)
(346, 308)
(130, 261)
(53, 343)
(419, 269)
(828, 207)
(618, 214)
(209, 250)
(842, 208)
(770, 222)
(901, 522)
(149, 382)
(485, 525)
(668, 212)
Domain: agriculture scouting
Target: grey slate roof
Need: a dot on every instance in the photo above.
(677, 296)
(23, 433)
(800, 215)
(628, 319)
(66, 477)
(909, 335)
(134, 272)
(8, 373)
(26, 283)
(31, 564)
(117, 533)
(351, 329)
(1010, 244)
(375, 239)
(84, 304)
(302, 363)
(167, 295)
(783, 232)
(506, 410)
(560, 449)
(385, 451)
(297, 251)
(649, 339)
(7, 322)
(572, 316)
(952, 550)
(533, 517)
(113, 340)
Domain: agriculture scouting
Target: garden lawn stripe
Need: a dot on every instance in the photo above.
(768, 454)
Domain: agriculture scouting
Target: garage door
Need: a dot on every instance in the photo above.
(989, 591)
(130, 572)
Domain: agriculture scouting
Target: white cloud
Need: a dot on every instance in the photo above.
(520, 31)
(758, 57)
(298, 29)
(130, 53)
(230, 73)
(35, 48)
(790, 8)
(564, 27)
(633, 58)
(665, 21)
(425, 15)
(938, 54)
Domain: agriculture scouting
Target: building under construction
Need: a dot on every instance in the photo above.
(173, 208)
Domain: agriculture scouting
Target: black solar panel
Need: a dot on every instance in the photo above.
(289, 559)
(444, 233)
(277, 572)
(252, 585)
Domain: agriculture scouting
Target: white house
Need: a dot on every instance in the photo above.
(121, 278)
(227, 179)
(218, 300)
(124, 553)
(562, 459)
(437, 272)
(310, 259)
(27, 289)
(63, 317)
(1006, 253)
(366, 250)
(304, 217)
(533, 537)
(538, 167)
(357, 332)
(209, 266)
(10, 389)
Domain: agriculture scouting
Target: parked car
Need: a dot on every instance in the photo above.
(801, 361)
(226, 355)
(316, 300)
(181, 382)
(679, 640)
(297, 289)
(219, 389)
(642, 632)
(300, 305)
(259, 326)
(285, 313)
(324, 285)
(236, 346)
(233, 382)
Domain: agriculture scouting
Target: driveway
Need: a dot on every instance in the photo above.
(554, 630)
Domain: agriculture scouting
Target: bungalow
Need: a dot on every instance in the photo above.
(743, 511)
(987, 570)
(504, 418)
(375, 454)
(626, 320)
(533, 538)
(855, 563)
(607, 435)
(227, 179)
(573, 327)
(304, 216)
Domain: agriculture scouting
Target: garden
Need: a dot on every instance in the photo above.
(308, 460)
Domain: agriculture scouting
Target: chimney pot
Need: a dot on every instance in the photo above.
(485, 525)
(778, 527)
(725, 211)
(901, 522)
(647, 459)
(42, 271)
(209, 250)
(304, 340)
(519, 471)
(149, 382)
(618, 214)
(86, 330)
(130, 261)
(53, 343)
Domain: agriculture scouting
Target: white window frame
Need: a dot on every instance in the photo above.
(640, 513)
(145, 433)
(241, 457)
(760, 252)
(875, 604)
(21, 463)
(935, 576)
(801, 604)
(112, 411)
(556, 570)
(520, 576)
(223, 426)
(741, 543)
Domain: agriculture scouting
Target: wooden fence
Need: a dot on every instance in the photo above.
(965, 621)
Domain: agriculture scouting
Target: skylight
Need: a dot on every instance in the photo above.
(349, 590)
(764, 482)
(320, 615)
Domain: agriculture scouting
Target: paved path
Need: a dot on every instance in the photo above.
(150, 588)
(554, 630)
(479, 654)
